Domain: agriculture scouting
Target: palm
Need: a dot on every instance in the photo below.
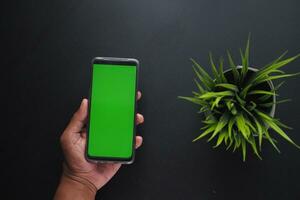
(97, 173)
(73, 142)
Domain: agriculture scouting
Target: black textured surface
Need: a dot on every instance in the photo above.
(46, 48)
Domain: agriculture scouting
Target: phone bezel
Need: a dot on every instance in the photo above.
(113, 61)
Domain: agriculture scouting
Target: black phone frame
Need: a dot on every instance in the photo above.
(113, 61)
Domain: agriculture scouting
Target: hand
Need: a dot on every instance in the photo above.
(73, 142)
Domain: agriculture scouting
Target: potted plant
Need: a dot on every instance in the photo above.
(239, 103)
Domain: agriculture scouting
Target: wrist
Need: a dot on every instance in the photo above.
(79, 183)
(73, 188)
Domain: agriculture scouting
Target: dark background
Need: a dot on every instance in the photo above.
(46, 49)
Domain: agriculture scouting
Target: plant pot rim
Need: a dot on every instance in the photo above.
(272, 111)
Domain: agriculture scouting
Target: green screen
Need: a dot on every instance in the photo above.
(111, 125)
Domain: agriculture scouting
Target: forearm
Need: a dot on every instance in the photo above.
(74, 188)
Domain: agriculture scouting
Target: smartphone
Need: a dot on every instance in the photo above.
(112, 109)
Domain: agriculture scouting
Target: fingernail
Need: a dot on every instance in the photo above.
(81, 104)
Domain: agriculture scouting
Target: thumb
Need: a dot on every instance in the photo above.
(79, 118)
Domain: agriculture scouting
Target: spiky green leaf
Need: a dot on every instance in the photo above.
(204, 74)
(220, 138)
(228, 86)
(200, 88)
(221, 124)
(271, 122)
(235, 72)
(262, 92)
(206, 132)
(194, 100)
(223, 79)
(209, 95)
(244, 149)
(242, 126)
(214, 69)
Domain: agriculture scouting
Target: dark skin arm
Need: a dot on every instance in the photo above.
(82, 179)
